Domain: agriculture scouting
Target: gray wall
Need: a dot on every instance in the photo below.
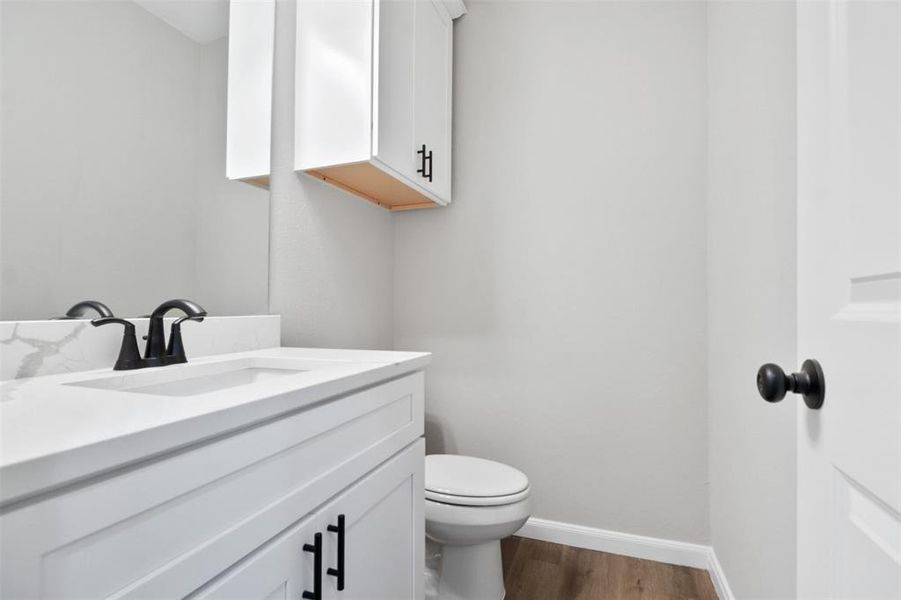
(113, 180)
(332, 264)
(751, 291)
(563, 292)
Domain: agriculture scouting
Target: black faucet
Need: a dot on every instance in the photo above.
(79, 310)
(156, 353)
(156, 338)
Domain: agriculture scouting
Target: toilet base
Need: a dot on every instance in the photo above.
(471, 572)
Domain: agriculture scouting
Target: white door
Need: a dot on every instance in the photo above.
(432, 97)
(849, 297)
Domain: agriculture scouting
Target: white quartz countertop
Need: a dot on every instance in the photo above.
(55, 432)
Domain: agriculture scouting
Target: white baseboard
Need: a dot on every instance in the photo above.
(614, 542)
(718, 577)
(627, 544)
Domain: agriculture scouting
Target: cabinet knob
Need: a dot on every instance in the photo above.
(316, 549)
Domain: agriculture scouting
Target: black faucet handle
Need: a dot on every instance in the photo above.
(114, 320)
(175, 351)
(129, 355)
(180, 320)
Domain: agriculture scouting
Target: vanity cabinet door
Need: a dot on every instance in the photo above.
(384, 532)
(280, 570)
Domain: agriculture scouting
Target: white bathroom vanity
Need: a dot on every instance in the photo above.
(283, 473)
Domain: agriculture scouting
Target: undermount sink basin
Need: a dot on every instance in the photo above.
(212, 383)
(193, 379)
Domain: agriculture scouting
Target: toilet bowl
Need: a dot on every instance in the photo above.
(470, 505)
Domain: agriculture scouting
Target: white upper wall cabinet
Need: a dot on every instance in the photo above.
(373, 98)
(251, 43)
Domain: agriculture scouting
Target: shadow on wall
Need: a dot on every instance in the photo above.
(438, 439)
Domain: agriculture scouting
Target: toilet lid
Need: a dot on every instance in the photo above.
(456, 479)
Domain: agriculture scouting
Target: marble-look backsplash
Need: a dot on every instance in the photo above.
(31, 348)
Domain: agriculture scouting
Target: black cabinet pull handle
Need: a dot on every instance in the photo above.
(421, 153)
(338, 572)
(773, 383)
(316, 549)
(426, 160)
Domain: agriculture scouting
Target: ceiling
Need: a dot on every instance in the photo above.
(203, 21)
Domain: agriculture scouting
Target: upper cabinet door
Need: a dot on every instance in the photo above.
(392, 133)
(251, 39)
(432, 96)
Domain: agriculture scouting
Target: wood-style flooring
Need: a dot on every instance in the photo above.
(535, 570)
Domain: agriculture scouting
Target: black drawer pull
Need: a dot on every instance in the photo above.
(338, 573)
(316, 549)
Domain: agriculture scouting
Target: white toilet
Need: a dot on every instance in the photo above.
(470, 504)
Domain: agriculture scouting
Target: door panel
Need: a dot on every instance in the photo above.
(849, 297)
(432, 94)
(868, 542)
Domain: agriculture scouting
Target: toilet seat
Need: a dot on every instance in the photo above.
(470, 481)
(477, 500)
